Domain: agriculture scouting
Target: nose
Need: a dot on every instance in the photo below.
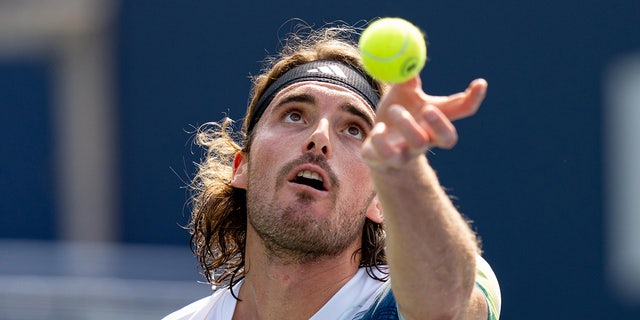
(319, 141)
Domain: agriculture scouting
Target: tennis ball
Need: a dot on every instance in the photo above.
(393, 50)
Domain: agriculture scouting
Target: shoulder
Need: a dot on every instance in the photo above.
(487, 281)
(385, 306)
(194, 309)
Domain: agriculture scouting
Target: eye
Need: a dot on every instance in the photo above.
(293, 116)
(355, 131)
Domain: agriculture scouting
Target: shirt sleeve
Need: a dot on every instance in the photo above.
(385, 305)
(487, 281)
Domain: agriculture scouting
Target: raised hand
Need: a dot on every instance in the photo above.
(409, 122)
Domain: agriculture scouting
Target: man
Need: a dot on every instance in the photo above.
(328, 208)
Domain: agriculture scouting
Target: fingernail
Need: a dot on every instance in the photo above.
(484, 85)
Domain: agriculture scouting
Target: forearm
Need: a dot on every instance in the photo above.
(430, 247)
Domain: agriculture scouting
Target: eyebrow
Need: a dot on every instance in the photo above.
(358, 112)
(302, 97)
(310, 99)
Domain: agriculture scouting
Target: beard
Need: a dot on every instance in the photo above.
(291, 232)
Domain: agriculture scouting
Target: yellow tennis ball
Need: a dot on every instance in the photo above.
(393, 50)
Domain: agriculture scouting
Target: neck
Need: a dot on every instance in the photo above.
(279, 288)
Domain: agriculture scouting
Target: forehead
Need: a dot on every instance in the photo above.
(322, 90)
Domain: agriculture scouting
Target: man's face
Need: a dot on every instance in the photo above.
(308, 188)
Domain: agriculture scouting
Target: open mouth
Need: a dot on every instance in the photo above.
(311, 179)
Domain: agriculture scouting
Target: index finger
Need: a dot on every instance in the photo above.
(462, 104)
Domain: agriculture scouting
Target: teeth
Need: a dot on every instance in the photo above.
(310, 175)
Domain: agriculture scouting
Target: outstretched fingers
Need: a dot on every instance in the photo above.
(462, 104)
(409, 122)
(415, 137)
(406, 135)
(442, 132)
(429, 128)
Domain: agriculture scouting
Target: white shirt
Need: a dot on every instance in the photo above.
(349, 303)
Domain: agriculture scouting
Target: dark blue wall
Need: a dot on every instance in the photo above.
(527, 170)
(26, 171)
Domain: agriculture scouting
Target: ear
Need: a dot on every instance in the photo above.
(239, 174)
(375, 212)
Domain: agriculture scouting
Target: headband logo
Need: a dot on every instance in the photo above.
(329, 69)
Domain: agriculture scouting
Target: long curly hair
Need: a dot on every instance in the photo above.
(219, 213)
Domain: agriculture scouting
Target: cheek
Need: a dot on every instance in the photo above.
(269, 151)
(274, 137)
(267, 145)
(356, 172)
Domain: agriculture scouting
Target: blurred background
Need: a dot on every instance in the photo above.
(99, 100)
